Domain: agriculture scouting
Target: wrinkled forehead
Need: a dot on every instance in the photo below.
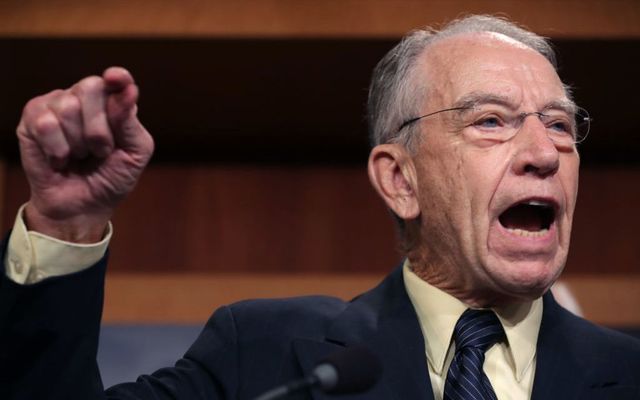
(488, 63)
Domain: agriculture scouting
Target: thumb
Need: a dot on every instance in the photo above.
(122, 110)
(128, 133)
(122, 94)
(121, 105)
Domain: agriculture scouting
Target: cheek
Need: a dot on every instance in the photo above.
(452, 183)
(458, 190)
(484, 171)
(441, 181)
(569, 177)
(435, 173)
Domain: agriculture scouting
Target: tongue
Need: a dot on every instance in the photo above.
(522, 217)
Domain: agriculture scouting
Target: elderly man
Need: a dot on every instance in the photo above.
(474, 152)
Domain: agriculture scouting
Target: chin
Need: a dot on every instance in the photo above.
(525, 280)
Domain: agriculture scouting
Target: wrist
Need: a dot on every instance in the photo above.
(83, 228)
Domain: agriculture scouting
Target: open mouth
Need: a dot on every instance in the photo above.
(531, 218)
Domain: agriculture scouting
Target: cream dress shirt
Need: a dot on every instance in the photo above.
(510, 366)
(32, 256)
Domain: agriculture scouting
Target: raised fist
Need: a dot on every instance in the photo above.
(83, 150)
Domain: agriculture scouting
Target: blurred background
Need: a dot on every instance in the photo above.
(258, 187)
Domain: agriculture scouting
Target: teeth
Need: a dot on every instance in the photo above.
(523, 233)
(537, 203)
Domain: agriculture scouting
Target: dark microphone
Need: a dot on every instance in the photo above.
(352, 370)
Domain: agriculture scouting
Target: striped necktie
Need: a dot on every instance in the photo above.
(475, 332)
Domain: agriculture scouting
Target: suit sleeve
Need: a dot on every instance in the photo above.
(49, 338)
(208, 370)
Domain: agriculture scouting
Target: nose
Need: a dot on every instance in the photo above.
(535, 151)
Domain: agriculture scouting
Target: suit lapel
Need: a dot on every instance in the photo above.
(569, 365)
(555, 356)
(384, 321)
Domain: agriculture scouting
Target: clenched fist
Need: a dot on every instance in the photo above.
(83, 150)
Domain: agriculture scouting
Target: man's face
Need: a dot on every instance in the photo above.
(495, 215)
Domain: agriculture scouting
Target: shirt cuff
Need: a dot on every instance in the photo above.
(32, 256)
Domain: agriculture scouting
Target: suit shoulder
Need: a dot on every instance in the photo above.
(292, 306)
(603, 341)
(299, 316)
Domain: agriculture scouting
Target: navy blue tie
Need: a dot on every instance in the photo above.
(475, 332)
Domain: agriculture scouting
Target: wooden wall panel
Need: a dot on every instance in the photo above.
(286, 101)
(266, 218)
(191, 298)
(605, 238)
(255, 218)
(304, 18)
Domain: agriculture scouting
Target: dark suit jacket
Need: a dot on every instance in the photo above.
(49, 336)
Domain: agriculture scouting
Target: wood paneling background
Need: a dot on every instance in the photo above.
(293, 101)
(316, 218)
(305, 18)
(191, 298)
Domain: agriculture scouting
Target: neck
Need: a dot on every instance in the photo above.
(450, 280)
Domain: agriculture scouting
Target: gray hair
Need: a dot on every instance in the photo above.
(395, 95)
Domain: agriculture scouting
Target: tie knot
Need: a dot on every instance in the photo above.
(478, 329)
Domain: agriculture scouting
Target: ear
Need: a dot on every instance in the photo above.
(393, 175)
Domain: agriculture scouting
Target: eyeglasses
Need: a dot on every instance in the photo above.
(412, 120)
(497, 123)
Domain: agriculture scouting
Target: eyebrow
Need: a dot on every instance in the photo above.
(567, 106)
(474, 99)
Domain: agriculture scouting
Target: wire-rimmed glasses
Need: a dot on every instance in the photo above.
(501, 124)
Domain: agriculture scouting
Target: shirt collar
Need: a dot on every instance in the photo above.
(438, 313)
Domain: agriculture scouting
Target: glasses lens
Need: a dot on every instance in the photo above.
(583, 124)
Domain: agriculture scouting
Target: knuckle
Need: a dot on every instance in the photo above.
(31, 106)
(54, 94)
(89, 84)
(37, 105)
(69, 107)
(59, 153)
(44, 123)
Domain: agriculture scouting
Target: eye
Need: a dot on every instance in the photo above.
(560, 126)
(489, 122)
